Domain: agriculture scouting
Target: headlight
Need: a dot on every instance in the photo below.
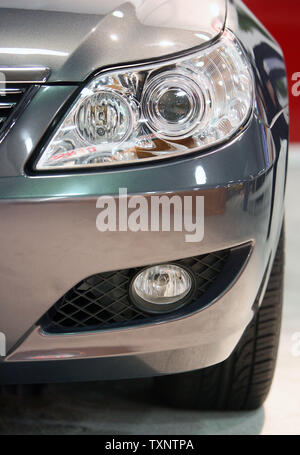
(155, 111)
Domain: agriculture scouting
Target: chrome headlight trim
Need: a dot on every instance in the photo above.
(216, 121)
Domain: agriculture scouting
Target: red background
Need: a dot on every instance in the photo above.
(282, 19)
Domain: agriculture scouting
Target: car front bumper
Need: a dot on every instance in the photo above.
(49, 242)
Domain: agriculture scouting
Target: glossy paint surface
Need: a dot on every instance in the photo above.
(76, 38)
(63, 230)
(266, 58)
(49, 238)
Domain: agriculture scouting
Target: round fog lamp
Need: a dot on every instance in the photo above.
(162, 288)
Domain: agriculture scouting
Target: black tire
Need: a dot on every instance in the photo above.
(243, 380)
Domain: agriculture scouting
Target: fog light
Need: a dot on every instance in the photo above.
(162, 288)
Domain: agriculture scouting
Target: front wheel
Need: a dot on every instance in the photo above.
(243, 380)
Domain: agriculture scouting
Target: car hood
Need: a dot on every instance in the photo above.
(73, 38)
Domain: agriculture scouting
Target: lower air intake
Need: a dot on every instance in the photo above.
(102, 301)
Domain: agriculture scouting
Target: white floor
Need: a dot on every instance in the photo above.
(127, 407)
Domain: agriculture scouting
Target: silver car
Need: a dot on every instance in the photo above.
(143, 154)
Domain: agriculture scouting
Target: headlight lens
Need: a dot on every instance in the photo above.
(173, 104)
(104, 117)
(155, 111)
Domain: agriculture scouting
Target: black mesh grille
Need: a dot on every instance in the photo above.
(10, 97)
(102, 300)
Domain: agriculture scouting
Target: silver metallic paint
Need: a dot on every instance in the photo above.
(49, 239)
(75, 40)
(56, 243)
